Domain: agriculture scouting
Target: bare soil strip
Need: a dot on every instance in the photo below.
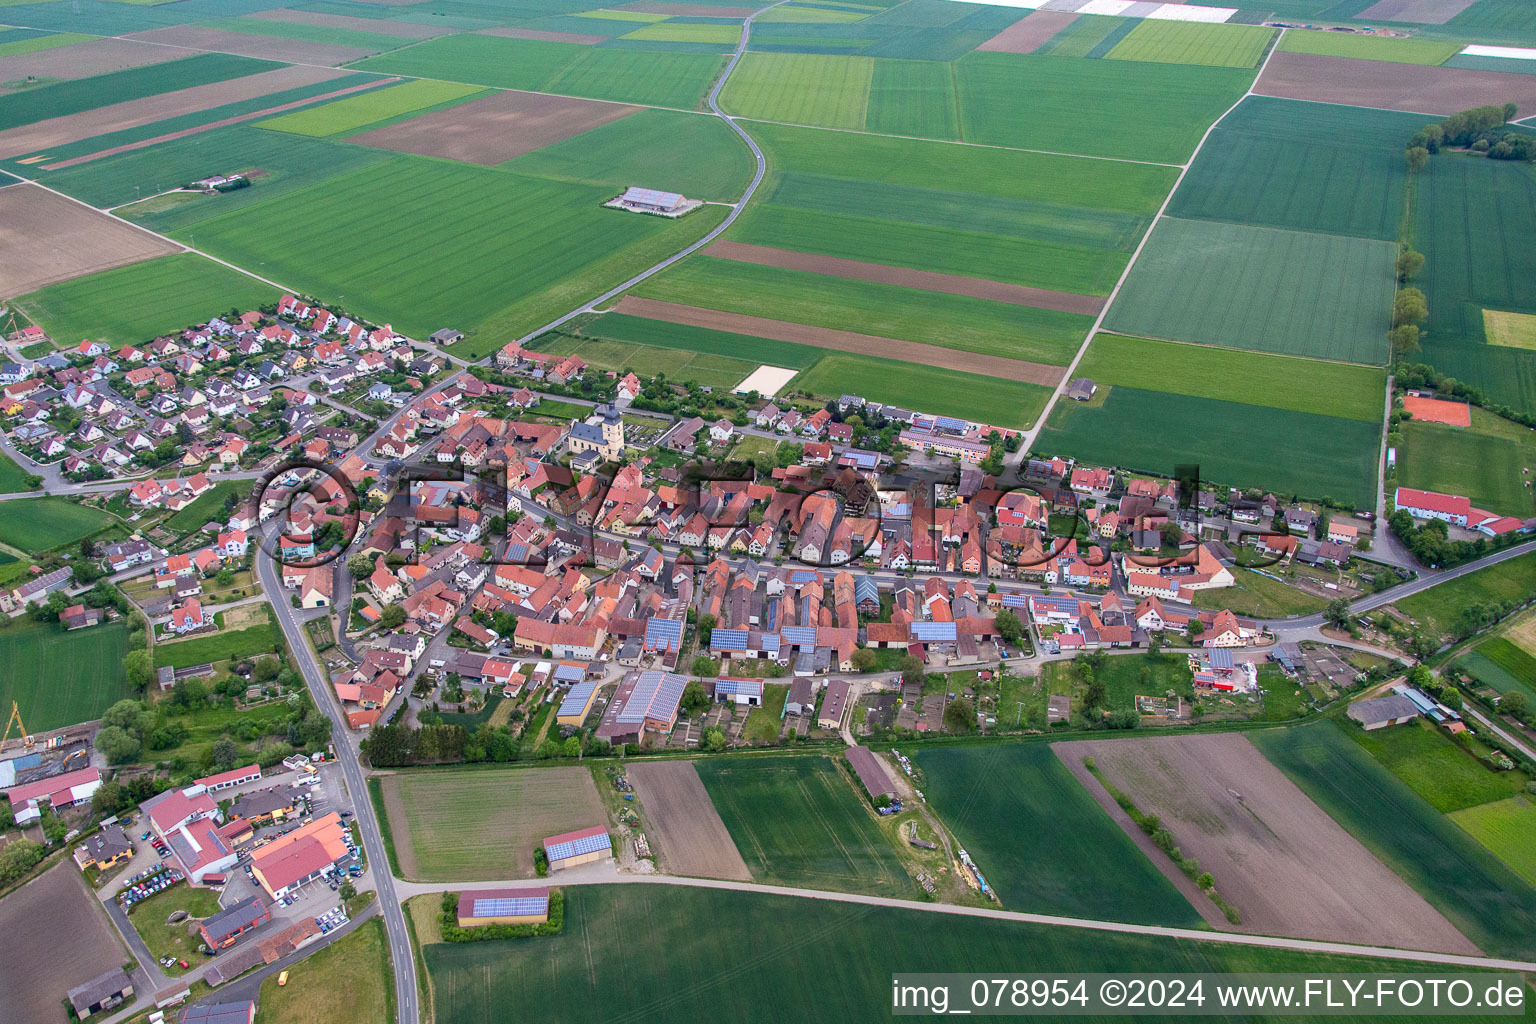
(60, 131)
(685, 829)
(495, 129)
(1423, 12)
(844, 341)
(927, 280)
(377, 26)
(82, 60)
(69, 941)
(1391, 86)
(579, 38)
(1289, 868)
(218, 40)
(47, 239)
(1030, 34)
(170, 136)
(686, 10)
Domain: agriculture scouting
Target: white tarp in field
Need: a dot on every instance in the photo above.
(766, 380)
(1515, 52)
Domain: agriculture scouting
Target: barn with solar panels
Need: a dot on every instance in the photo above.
(584, 846)
(503, 906)
(653, 201)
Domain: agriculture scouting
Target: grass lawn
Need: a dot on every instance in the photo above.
(222, 646)
(1481, 896)
(751, 445)
(205, 507)
(1434, 767)
(60, 678)
(352, 113)
(136, 303)
(799, 821)
(1003, 403)
(350, 981)
(1041, 840)
(763, 722)
(1284, 699)
(36, 525)
(596, 963)
(1259, 596)
(12, 477)
(1488, 462)
(1271, 381)
(1505, 827)
(174, 939)
(1441, 606)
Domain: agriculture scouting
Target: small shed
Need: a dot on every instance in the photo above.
(1081, 389)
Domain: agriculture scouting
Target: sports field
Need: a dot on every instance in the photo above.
(61, 678)
(1276, 382)
(1304, 166)
(221, 646)
(1417, 50)
(507, 245)
(1289, 292)
(1440, 771)
(1489, 462)
(1259, 447)
(1505, 827)
(458, 825)
(1441, 606)
(1173, 42)
(1004, 403)
(1041, 840)
(799, 821)
(134, 304)
(596, 962)
(1482, 897)
(950, 321)
(36, 525)
(354, 112)
(653, 77)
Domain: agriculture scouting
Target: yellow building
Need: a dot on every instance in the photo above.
(503, 906)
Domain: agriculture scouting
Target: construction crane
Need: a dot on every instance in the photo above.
(15, 719)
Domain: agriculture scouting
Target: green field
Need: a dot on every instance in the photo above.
(1448, 777)
(1264, 289)
(71, 97)
(1276, 382)
(1084, 35)
(10, 48)
(1003, 403)
(596, 964)
(1472, 217)
(688, 153)
(887, 311)
(913, 97)
(1441, 606)
(1173, 42)
(60, 678)
(354, 112)
(1488, 462)
(660, 334)
(1505, 827)
(542, 246)
(309, 33)
(1041, 840)
(648, 361)
(653, 77)
(1512, 330)
(222, 646)
(1125, 678)
(347, 982)
(36, 525)
(827, 90)
(134, 304)
(799, 821)
(1477, 893)
(1503, 665)
(12, 477)
(675, 32)
(1400, 51)
(1303, 166)
(1259, 447)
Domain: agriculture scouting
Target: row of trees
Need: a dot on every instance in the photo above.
(396, 745)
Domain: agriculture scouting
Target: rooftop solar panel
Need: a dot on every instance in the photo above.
(933, 632)
(520, 906)
(803, 636)
(577, 847)
(664, 633)
(728, 640)
(577, 699)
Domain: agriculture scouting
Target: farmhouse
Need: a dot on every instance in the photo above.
(104, 992)
(583, 846)
(872, 774)
(744, 692)
(223, 928)
(645, 701)
(504, 906)
(650, 200)
(1393, 709)
(1082, 389)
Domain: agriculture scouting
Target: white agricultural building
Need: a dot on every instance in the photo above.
(649, 200)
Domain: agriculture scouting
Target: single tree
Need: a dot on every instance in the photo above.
(1008, 625)
(1337, 612)
(864, 659)
(393, 617)
(360, 567)
(960, 716)
(695, 700)
(1410, 307)
(1409, 263)
(1417, 157)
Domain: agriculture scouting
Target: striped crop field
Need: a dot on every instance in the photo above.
(1174, 42)
(801, 88)
(355, 112)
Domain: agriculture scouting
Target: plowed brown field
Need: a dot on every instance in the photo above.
(685, 829)
(47, 238)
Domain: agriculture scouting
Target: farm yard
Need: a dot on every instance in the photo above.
(685, 828)
(1040, 839)
(458, 825)
(799, 821)
(72, 942)
(58, 679)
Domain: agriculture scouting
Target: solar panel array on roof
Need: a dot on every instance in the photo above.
(576, 700)
(568, 673)
(651, 197)
(771, 642)
(800, 636)
(664, 634)
(948, 423)
(656, 695)
(746, 687)
(1221, 657)
(1014, 600)
(728, 640)
(577, 847)
(504, 906)
(800, 576)
(933, 632)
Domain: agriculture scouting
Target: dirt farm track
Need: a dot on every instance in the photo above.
(47, 239)
(58, 937)
(1288, 867)
(685, 828)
